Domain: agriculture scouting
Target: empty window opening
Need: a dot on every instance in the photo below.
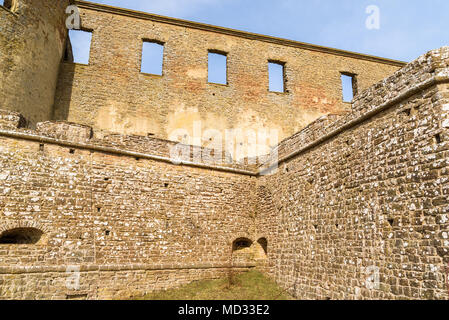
(276, 75)
(78, 46)
(21, 236)
(349, 85)
(217, 67)
(241, 244)
(8, 4)
(152, 57)
(437, 138)
(264, 244)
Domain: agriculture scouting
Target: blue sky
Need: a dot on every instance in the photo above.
(408, 28)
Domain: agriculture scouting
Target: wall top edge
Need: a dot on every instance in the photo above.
(233, 32)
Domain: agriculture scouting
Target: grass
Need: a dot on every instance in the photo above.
(251, 285)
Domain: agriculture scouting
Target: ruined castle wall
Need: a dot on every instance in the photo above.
(32, 41)
(366, 195)
(113, 95)
(131, 224)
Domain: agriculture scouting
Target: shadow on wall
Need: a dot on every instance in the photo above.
(64, 87)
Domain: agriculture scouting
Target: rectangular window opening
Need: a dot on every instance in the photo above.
(217, 67)
(349, 85)
(152, 57)
(8, 4)
(78, 46)
(276, 75)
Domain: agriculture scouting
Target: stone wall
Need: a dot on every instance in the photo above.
(366, 195)
(356, 195)
(112, 94)
(131, 223)
(32, 42)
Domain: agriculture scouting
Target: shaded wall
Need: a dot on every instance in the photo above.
(32, 38)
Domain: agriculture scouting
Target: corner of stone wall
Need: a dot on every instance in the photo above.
(12, 120)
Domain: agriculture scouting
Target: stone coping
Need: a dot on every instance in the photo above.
(120, 267)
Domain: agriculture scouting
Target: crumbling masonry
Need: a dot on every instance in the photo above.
(358, 208)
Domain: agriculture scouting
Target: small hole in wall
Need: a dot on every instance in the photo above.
(286, 169)
(391, 222)
(407, 112)
(166, 185)
(98, 209)
(41, 147)
(106, 179)
(337, 226)
(137, 158)
(437, 138)
(150, 134)
(328, 298)
(72, 151)
(315, 226)
(107, 232)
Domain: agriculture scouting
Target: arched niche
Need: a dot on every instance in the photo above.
(21, 236)
(241, 244)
